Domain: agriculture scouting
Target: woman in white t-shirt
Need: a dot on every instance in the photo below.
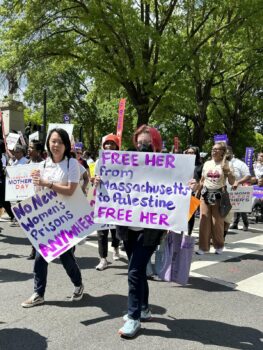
(214, 175)
(60, 173)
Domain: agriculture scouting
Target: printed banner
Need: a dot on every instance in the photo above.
(54, 223)
(121, 119)
(241, 199)
(258, 192)
(34, 136)
(221, 138)
(19, 184)
(144, 189)
(11, 140)
(249, 157)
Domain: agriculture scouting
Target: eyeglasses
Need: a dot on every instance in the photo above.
(79, 152)
(190, 152)
(217, 149)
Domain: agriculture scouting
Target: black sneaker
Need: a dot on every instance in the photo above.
(78, 293)
(234, 227)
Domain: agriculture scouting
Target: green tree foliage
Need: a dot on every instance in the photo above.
(189, 65)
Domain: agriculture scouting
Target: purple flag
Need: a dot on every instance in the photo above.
(249, 157)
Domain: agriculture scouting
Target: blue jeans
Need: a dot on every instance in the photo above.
(139, 256)
(41, 266)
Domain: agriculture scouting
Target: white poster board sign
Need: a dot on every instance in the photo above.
(34, 136)
(19, 184)
(67, 127)
(12, 140)
(241, 199)
(144, 189)
(54, 223)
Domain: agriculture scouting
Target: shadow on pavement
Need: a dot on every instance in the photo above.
(14, 240)
(114, 306)
(245, 257)
(14, 276)
(21, 338)
(201, 284)
(208, 332)
(10, 256)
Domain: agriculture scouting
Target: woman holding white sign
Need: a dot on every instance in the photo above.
(139, 243)
(61, 174)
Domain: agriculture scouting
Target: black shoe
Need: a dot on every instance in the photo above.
(31, 257)
(245, 228)
(234, 227)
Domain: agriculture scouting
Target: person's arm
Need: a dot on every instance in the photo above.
(85, 182)
(241, 181)
(65, 190)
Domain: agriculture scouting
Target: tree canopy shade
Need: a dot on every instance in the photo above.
(173, 58)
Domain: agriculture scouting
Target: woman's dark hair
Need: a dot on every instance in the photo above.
(37, 145)
(65, 139)
(197, 154)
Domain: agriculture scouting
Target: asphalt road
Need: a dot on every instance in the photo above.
(220, 308)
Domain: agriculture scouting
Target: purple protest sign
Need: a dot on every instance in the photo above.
(258, 192)
(249, 157)
(78, 145)
(221, 138)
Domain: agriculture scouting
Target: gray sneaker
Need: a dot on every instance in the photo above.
(77, 293)
(34, 300)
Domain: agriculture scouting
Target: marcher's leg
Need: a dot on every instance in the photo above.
(245, 221)
(103, 243)
(70, 265)
(205, 226)
(138, 285)
(217, 228)
(40, 274)
(115, 242)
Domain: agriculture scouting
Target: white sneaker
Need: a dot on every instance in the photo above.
(102, 265)
(116, 254)
(200, 252)
(34, 300)
(219, 251)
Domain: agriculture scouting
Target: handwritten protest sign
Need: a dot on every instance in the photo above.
(12, 140)
(144, 189)
(19, 185)
(55, 223)
(67, 127)
(34, 136)
(241, 199)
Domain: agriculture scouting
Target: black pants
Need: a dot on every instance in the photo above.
(5, 204)
(103, 241)
(139, 256)
(244, 218)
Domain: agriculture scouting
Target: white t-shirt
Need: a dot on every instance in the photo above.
(240, 168)
(63, 172)
(258, 169)
(213, 174)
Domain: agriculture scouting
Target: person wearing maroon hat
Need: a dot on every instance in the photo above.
(139, 243)
(109, 142)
